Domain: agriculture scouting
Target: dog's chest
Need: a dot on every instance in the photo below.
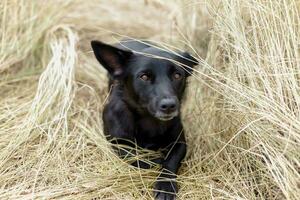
(150, 133)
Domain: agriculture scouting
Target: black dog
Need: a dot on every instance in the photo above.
(147, 85)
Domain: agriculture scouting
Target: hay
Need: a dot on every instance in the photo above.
(241, 117)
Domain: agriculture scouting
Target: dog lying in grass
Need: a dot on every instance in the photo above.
(147, 85)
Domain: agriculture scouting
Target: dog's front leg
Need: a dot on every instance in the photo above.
(126, 149)
(166, 186)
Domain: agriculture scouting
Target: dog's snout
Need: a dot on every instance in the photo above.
(168, 105)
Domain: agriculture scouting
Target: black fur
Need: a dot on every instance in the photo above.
(144, 103)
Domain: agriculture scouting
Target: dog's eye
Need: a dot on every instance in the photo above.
(145, 77)
(177, 76)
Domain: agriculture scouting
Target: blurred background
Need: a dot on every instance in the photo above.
(241, 113)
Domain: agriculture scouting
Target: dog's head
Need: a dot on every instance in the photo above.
(154, 80)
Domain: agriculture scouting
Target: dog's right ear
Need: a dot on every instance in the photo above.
(113, 59)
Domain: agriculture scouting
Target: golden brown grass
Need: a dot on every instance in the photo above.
(241, 115)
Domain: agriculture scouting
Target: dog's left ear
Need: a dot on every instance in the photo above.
(188, 62)
(111, 58)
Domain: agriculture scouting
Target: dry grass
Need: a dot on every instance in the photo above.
(242, 114)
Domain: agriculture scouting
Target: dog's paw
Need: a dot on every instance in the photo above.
(165, 190)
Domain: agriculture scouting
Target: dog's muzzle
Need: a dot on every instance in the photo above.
(167, 109)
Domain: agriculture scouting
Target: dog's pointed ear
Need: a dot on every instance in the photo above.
(111, 58)
(188, 62)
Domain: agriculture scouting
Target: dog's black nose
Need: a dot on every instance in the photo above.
(168, 105)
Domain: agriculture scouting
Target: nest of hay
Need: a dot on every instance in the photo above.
(242, 117)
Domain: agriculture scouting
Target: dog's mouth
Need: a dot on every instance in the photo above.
(165, 117)
(160, 115)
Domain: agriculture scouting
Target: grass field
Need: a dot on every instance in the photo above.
(241, 113)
